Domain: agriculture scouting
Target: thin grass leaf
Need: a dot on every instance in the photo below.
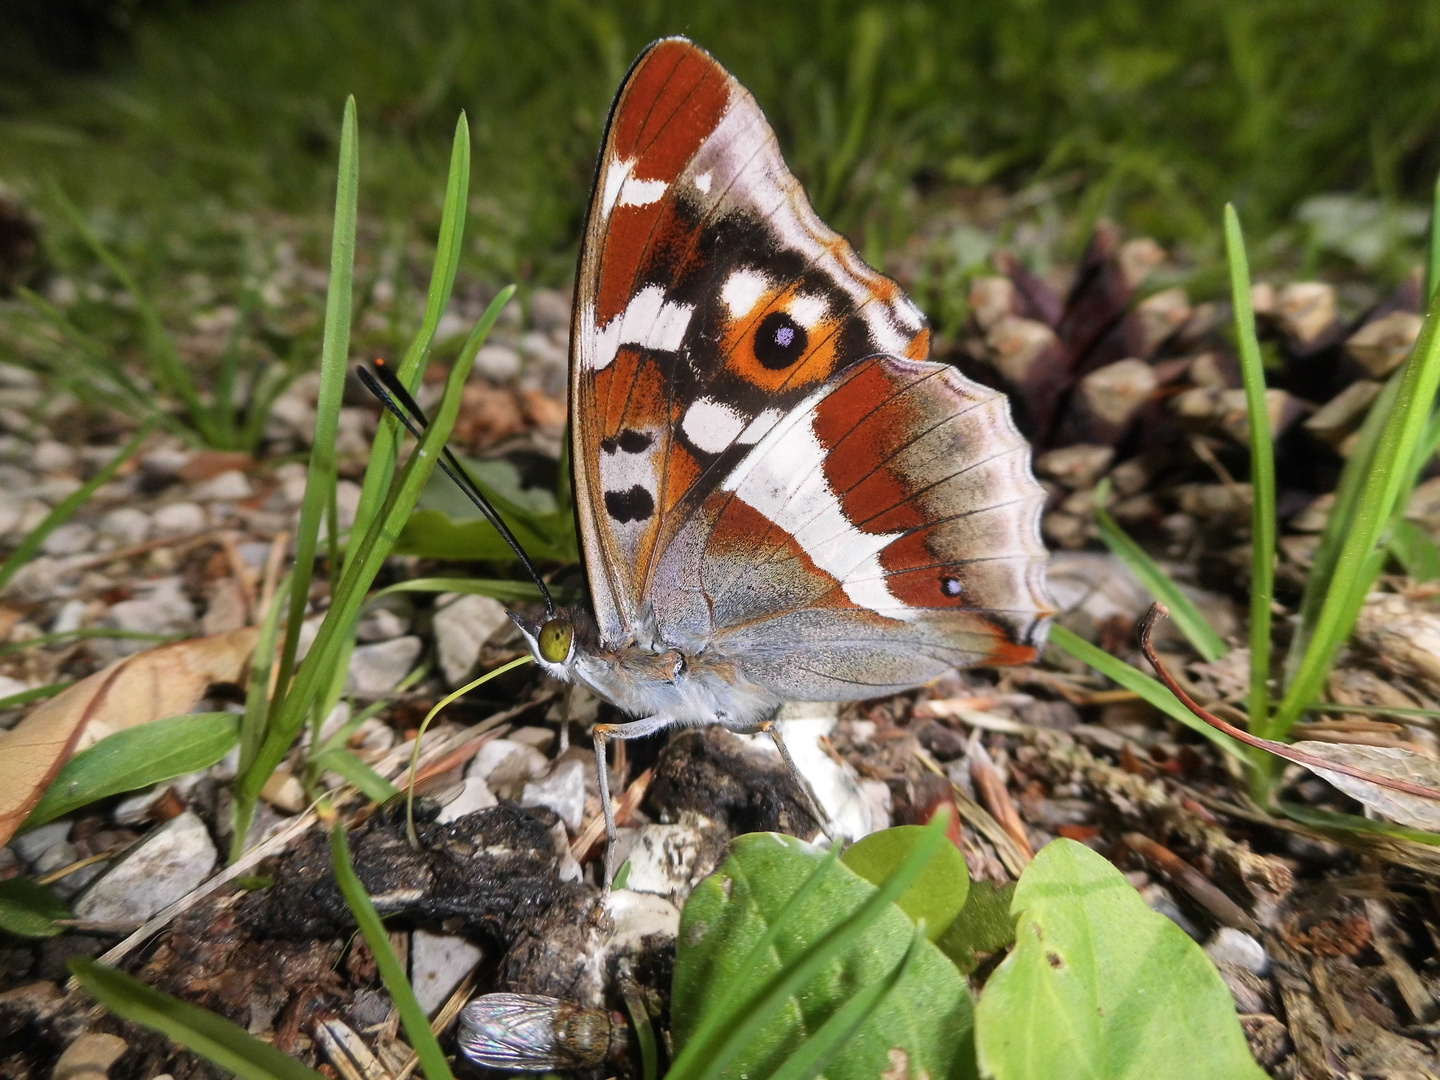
(1147, 687)
(1416, 552)
(510, 592)
(321, 479)
(384, 452)
(1432, 264)
(257, 689)
(417, 1025)
(354, 771)
(39, 693)
(1262, 475)
(134, 758)
(830, 1038)
(1357, 563)
(83, 633)
(718, 1041)
(198, 1030)
(65, 509)
(644, 1030)
(1333, 820)
(1188, 617)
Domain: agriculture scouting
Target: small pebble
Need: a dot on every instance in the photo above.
(70, 617)
(507, 766)
(72, 538)
(563, 791)
(33, 844)
(498, 363)
(666, 861)
(462, 626)
(10, 687)
(376, 669)
(167, 865)
(636, 916)
(12, 509)
(550, 310)
(50, 456)
(437, 964)
(228, 486)
(385, 620)
(126, 525)
(475, 795)
(166, 610)
(179, 519)
(1239, 948)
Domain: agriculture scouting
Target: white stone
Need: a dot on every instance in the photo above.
(498, 363)
(228, 486)
(665, 860)
(550, 310)
(70, 617)
(376, 669)
(540, 349)
(166, 610)
(170, 863)
(12, 509)
(179, 519)
(802, 725)
(390, 618)
(10, 687)
(50, 456)
(475, 795)
(69, 539)
(636, 916)
(437, 964)
(166, 461)
(126, 525)
(507, 766)
(15, 377)
(31, 845)
(563, 791)
(1239, 948)
(462, 626)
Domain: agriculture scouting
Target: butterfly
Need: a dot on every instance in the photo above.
(779, 497)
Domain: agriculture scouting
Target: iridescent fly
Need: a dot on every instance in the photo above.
(534, 1033)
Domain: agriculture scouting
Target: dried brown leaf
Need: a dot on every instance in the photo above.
(1391, 762)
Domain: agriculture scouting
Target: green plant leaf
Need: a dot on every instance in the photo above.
(772, 881)
(1101, 986)
(1188, 617)
(937, 895)
(371, 784)
(1416, 552)
(137, 757)
(1152, 690)
(417, 1027)
(984, 926)
(29, 909)
(199, 1030)
(1334, 821)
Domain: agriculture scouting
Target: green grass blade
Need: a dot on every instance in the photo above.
(137, 757)
(1151, 689)
(830, 1038)
(39, 693)
(83, 633)
(1262, 477)
(1354, 572)
(65, 509)
(1189, 618)
(1432, 264)
(370, 783)
(510, 592)
(321, 479)
(257, 689)
(384, 452)
(1318, 818)
(198, 1030)
(417, 1025)
(720, 1039)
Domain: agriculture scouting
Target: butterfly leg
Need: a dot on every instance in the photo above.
(812, 803)
(636, 729)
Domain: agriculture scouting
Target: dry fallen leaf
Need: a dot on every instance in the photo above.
(151, 685)
(1391, 762)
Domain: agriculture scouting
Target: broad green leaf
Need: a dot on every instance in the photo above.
(199, 1030)
(137, 757)
(924, 1021)
(937, 895)
(29, 909)
(1100, 986)
(984, 926)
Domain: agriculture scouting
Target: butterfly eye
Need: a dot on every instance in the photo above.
(780, 341)
(556, 637)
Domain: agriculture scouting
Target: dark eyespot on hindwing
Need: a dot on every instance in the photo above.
(637, 504)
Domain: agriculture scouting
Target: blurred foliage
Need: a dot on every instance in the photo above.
(1154, 114)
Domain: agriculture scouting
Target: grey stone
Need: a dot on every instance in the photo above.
(437, 964)
(166, 610)
(10, 687)
(15, 377)
(12, 509)
(50, 456)
(543, 351)
(475, 795)
(228, 486)
(54, 858)
(507, 766)
(31, 845)
(550, 309)
(462, 626)
(71, 616)
(1239, 948)
(126, 525)
(637, 916)
(498, 363)
(75, 882)
(375, 669)
(389, 618)
(668, 860)
(165, 461)
(562, 791)
(69, 539)
(179, 519)
(167, 865)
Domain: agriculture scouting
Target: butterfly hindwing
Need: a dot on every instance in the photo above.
(711, 301)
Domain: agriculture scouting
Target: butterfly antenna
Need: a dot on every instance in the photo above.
(391, 393)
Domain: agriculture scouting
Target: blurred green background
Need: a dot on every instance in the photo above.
(170, 122)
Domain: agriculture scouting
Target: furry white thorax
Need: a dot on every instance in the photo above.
(690, 690)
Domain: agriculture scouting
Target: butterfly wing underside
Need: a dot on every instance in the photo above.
(766, 463)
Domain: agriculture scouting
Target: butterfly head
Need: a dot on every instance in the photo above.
(552, 640)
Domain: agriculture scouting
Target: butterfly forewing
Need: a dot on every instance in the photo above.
(712, 301)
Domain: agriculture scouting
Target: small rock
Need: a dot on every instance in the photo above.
(1306, 309)
(165, 462)
(50, 456)
(1076, 466)
(1238, 948)
(666, 860)
(507, 766)
(90, 1056)
(462, 626)
(636, 916)
(33, 844)
(284, 792)
(42, 578)
(1016, 345)
(15, 377)
(376, 669)
(229, 486)
(802, 725)
(54, 858)
(550, 310)
(69, 618)
(541, 738)
(438, 962)
(1115, 392)
(126, 525)
(166, 610)
(475, 795)
(1343, 413)
(1381, 345)
(179, 519)
(1312, 519)
(208, 464)
(10, 687)
(168, 864)
(12, 509)
(72, 538)
(563, 791)
(991, 299)
(498, 363)
(541, 350)
(389, 618)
